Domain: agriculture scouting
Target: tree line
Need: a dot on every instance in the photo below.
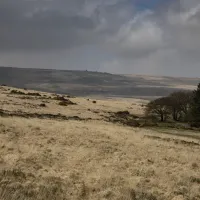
(181, 106)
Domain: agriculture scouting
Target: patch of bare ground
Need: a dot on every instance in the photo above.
(45, 154)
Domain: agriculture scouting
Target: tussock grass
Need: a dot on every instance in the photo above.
(43, 158)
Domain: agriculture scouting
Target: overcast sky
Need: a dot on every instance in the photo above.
(158, 37)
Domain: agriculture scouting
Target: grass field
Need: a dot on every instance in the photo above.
(49, 151)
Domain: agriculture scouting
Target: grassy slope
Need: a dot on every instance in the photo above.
(92, 159)
(84, 83)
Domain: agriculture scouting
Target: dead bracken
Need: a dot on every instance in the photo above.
(6, 113)
(109, 150)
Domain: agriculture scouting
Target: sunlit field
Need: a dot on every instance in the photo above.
(74, 151)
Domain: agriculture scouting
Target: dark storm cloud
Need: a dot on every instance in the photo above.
(31, 25)
(53, 24)
(118, 36)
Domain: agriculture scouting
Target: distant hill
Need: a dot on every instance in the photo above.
(86, 83)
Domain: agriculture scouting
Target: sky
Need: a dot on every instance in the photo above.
(153, 37)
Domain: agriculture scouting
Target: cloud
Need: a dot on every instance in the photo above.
(55, 24)
(139, 37)
(40, 27)
(119, 36)
(161, 43)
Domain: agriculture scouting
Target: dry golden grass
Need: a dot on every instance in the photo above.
(181, 83)
(44, 159)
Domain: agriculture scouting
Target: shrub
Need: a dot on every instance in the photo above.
(60, 98)
(34, 94)
(63, 103)
(42, 105)
(148, 123)
(195, 124)
(22, 93)
(66, 102)
(123, 113)
(17, 92)
(133, 123)
(69, 96)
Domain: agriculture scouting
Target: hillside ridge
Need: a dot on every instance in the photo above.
(86, 83)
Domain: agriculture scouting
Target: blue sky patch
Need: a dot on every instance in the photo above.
(149, 4)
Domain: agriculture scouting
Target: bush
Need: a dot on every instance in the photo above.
(17, 92)
(60, 98)
(63, 103)
(122, 113)
(133, 123)
(66, 102)
(42, 105)
(148, 123)
(22, 93)
(34, 94)
(69, 96)
(195, 124)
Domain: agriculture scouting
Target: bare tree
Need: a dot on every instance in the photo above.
(159, 108)
(180, 104)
